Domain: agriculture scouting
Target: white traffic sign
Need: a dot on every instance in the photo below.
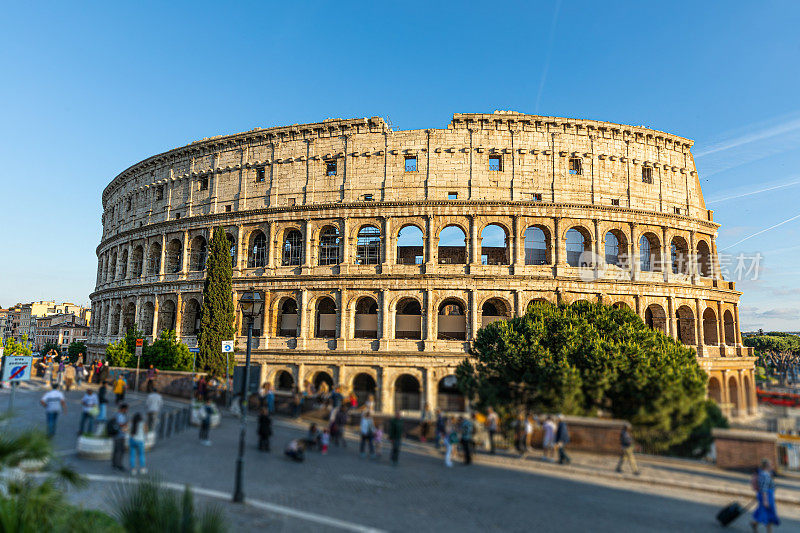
(17, 368)
(227, 346)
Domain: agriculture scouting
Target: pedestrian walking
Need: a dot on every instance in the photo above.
(120, 386)
(61, 369)
(530, 425)
(562, 439)
(626, 441)
(340, 421)
(367, 432)
(89, 411)
(548, 437)
(325, 441)
(764, 486)
(467, 429)
(424, 422)
(396, 435)
(54, 404)
(450, 439)
(79, 374)
(205, 422)
(136, 444)
(102, 401)
(152, 373)
(264, 429)
(441, 422)
(117, 429)
(69, 377)
(337, 398)
(270, 399)
(492, 423)
(153, 404)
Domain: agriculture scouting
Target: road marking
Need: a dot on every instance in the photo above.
(264, 506)
(365, 480)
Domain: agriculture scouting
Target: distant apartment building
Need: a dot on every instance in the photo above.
(60, 329)
(25, 320)
(3, 320)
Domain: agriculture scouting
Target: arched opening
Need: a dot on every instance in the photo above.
(326, 318)
(323, 381)
(452, 249)
(649, 253)
(733, 396)
(329, 243)
(368, 246)
(410, 246)
(146, 323)
(537, 246)
(686, 327)
(710, 329)
(231, 248)
(166, 316)
(115, 315)
(138, 261)
(407, 393)
(292, 248)
(287, 318)
(452, 320)
(715, 390)
(129, 317)
(123, 265)
(616, 249)
(494, 245)
(748, 400)
(730, 331)
(536, 301)
(621, 305)
(366, 319)
(579, 248)
(494, 309)
(449, 397)
(258, 250)
(154, 259)
(656, 318)
(703, 259)
(284, 381)
(199, 253)
(680, 256)
(112, 267)
(363, 386)
(174, 256)
(408, 319)
(191, 318)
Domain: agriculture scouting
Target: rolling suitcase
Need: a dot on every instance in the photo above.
(731, 512)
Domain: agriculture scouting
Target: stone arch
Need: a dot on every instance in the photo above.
(448, 252)
(364, 386)
(686, 328)
(494, 309)
(129, 317)
(292, 249)
(407, 393)
(166, 315)
(146, 319)
(452, 319)
(715, 390)
(198, 253)
(112, 267)
(366, 318)
(138, 261)
(448, 395)
(730, 330)
(410, 245)
(326, 318)
(649, 252)
(174, 256)
(579, 246)
(123, 264)
(656, 318)
(232, 248)
(115, 316)
(621, 305)
(710, 327)
(494, 244)
(368, 245)
(330, 244)
(154, 259)
(538, 245)
(679, 255)
(537, 301)
(615, 245)
(408, 319)
(321, 377)
(257, 250)
(283, 380)
(191, 317)
(703, 259)
(287, 317)
(733, 396)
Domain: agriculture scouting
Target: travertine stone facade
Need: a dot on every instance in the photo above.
(339, 223)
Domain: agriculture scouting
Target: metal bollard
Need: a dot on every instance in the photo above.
(168, 428)
(160, 426)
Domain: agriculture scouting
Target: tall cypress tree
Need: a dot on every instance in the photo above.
(217, 315)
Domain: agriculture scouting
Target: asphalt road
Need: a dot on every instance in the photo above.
(418, 495)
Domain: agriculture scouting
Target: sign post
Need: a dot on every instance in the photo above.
(227, 349)
(194, 351)
(16, 368)
(139, 345)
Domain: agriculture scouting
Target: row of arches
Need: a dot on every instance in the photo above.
(734, 394)
(115, 269)
(122, 318)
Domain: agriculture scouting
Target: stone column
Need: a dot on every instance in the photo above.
(430, 317)
(557, 242)
(386, 332)
(666, 255)
(699, 326)
(120, 326)
(387, 241)
(305, 314)
(633, 254)
(720, 327)
(517, 244)
(345, 241)
(266, 323)
(429, 389)
(272, 245)
(517, 303)
(384, 391)
(154, 336)
(428, 242)
(185, 260)
(671, 317)
(714, 259)
(474, 239)
(597, 248)
(129, 263)
(136, 317)
(344, 320)
(737, 332)
(240, 246)
(178, 315)
(473, 315)
(307, 252)
(163, 255)
(694, 272)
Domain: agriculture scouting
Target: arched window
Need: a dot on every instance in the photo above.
(449, 397)
(284, 381)
(123, 265)
(577, 246)
(191, 318)
(138, 261)
(232, 248)
(645, 257)
(326, 318)
(154, 261)
(366, 323)
(452, 248)
(258, 250)
(115, 315)
(287, 320)
(452, 320)
(536, 246)
(494, 309)
(368, 247)
(710, 329)
(410, 246)
(407, 393)
(174, 256)
(408, 319)
(730, 329)
(146, 324)
(166, 316)
(112, 267)
(364, 386)
(656, 318)
(686, 327)
(494, 245)
(615, 249)
(292, 248)
(703, 259)
(680, 256)
(329, 246)
(199, 253)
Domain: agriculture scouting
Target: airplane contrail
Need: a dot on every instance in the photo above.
(763, 231)
(547, 57)
(785, 127)
(751, 193)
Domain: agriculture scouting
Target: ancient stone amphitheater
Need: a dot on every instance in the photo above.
(381, 253)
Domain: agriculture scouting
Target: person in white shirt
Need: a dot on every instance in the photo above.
(54, 404)
(154, 402)
(90, 410)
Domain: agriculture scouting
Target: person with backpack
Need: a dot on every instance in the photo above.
(136, 444)
(116, 429)
(626, 441)
(205, 422)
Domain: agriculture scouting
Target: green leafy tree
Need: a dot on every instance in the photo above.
(117, 354)
(167, 353)
(778, 352)
(75, 349)
(699, 442)
(50, 345)
(13, 347)
(589, 359)
(217, 314)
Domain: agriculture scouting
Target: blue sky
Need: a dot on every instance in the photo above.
(89, 90)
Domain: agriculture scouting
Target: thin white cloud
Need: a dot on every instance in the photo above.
(547, 55)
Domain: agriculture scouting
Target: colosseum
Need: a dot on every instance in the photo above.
(381, 253)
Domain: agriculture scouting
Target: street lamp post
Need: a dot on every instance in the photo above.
(251, 303)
